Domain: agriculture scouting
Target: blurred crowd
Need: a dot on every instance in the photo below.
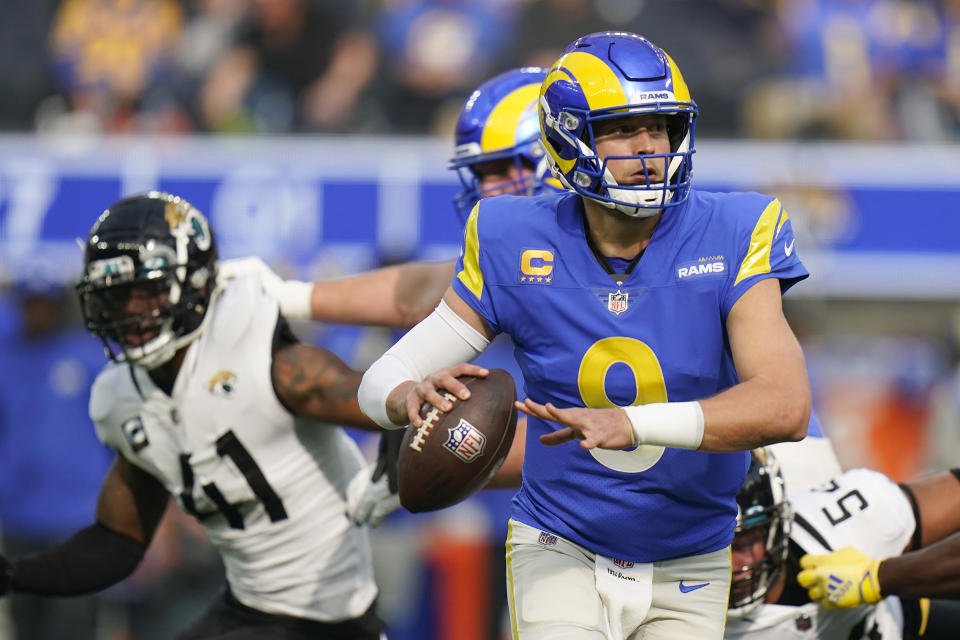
(846, 69)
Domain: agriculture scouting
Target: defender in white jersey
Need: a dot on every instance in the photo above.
(211, 399)
(775, 529)
(849, 578)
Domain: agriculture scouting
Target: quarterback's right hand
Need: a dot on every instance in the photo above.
(408, 397)
(293, 296)
(841, 579)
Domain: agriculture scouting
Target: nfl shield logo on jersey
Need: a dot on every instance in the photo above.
(623, 564)
(617, 302)
(465, 441)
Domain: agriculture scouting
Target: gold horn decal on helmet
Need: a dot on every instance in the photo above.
(500, 130)
(599, 84)
(554, 75)
(680, 89)
(174, 214)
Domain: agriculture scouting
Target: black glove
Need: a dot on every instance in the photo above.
(387, 456)
(6, 575)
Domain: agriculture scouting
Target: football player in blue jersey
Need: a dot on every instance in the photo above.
(649, 329)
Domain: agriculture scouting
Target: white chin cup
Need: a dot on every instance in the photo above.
(646, 202)
(154, 352)
(636, 203)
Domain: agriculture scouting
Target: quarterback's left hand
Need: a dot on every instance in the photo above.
(841, 579)
(604, 428)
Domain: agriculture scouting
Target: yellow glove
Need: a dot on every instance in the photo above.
(841, 579)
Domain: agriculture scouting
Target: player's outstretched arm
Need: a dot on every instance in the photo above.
(395, 296)
(129, 509)
(931, 572)
(772, 401)
(936, 500)
(314, 383)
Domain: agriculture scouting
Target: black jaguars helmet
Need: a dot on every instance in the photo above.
(149, 277)
(763, 516)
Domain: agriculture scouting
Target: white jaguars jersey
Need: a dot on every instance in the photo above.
(860, 508)
(806, 464)
(269, 488)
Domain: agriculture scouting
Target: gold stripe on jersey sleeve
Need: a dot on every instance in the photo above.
(757, 260)
(470, 275)
(784, 216)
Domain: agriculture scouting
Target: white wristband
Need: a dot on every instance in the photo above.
(667, 424)
(294, 297)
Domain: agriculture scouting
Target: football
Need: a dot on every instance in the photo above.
(454, 454)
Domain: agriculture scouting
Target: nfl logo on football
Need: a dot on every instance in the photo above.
(617, 302)
(465, 441)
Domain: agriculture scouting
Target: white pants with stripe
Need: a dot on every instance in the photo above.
(560, 591)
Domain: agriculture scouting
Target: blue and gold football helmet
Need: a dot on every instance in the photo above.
(610, 75)
(498, 125)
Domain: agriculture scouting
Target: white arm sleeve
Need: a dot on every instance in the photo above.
(442, 339)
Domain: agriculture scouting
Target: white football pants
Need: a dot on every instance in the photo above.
(558, 590)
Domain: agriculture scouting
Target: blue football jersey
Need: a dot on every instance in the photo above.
(583, 339)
